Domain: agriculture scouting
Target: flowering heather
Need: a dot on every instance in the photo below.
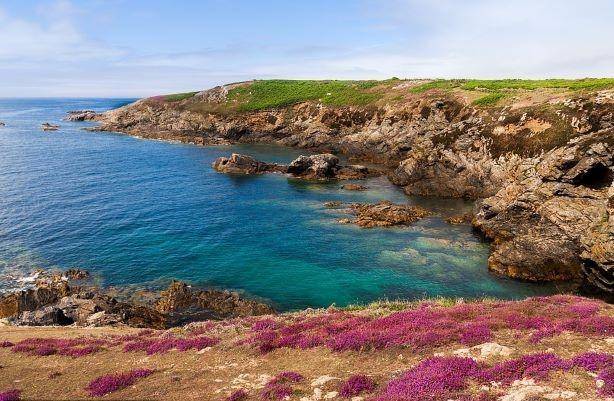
(10, 395)
(51, 346)
(429, 325)
(238, 395)
(161, 345)
(110, 383)
(437, 378)
(593, 361)
(287, 376)
(356, 385)
(275, 391)
(533, 366)
(6, 344)
(607, 375)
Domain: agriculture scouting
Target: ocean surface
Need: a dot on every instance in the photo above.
(140, 213)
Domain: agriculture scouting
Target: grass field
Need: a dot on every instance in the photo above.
(276, 93)
(279, 93)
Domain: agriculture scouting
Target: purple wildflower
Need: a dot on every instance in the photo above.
(535, 366)
(10, 395)
(238, 395)
(434, 378)
(593, 361)
(475, 334)
(356, 385)
(607, 375)
(109, 383)
(6, 344)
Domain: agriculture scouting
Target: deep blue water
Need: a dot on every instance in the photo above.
(142, 212)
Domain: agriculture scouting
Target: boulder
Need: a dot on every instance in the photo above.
(314, 167)
(243, 164)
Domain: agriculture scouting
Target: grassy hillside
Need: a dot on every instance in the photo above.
(269, 94)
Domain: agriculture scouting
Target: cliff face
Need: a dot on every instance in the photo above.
(542, 163)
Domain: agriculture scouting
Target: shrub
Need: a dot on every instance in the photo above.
(109, 383)
(356, 385)
(238, 395)
(6, 344)
(10, 395)
(607, 375)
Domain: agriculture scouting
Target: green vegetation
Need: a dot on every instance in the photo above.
(527, 84)
(572, 84)
(179, 96)
(279, 93)
(489, 100)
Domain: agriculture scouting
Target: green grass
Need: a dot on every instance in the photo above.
(280, 93)
(527, 84)
(489, 100)
(179, 96)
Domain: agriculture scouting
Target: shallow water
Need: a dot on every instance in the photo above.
(140, 212)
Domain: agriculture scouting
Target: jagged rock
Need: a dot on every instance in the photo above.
(49, 127)
(552, 221)
(386, 214)
(354, 187)
(2, 124)
(56, 301)
(180, 297)
(315, 166)
(243, 164)
(81, 115)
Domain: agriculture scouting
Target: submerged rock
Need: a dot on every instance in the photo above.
(386, 214)
(354, 187)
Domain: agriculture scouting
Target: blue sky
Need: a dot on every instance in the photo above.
(139, 48)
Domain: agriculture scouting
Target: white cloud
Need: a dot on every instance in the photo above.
(56, 39)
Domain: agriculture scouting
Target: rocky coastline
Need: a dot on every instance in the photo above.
(540, 168)
(67, 298)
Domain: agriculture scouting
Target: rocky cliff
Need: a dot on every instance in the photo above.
(539, 160)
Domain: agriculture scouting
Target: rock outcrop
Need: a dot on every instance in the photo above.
(555, 219)
(314, 167)
(538, 162)
(81, 115)
(383, 214)
(61, 299)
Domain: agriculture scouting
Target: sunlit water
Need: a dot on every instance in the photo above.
(139, 212)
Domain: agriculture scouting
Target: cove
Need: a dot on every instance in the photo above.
(140, 213)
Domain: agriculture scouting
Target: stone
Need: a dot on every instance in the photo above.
(460, 219)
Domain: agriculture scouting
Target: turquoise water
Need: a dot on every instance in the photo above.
(139, 212)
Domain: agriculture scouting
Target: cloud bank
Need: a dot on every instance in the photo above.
(52, 53)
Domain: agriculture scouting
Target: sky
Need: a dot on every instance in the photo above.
(134, 48)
